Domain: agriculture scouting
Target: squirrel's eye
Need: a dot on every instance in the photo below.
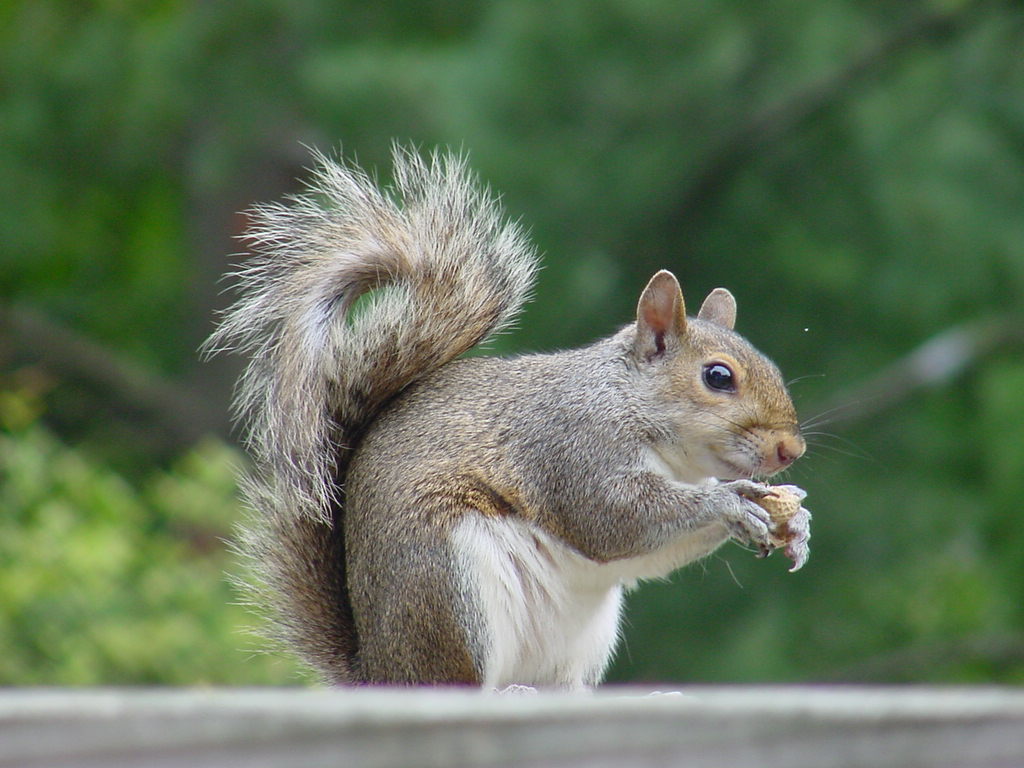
(719, 377)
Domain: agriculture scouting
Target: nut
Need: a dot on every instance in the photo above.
(782, 502)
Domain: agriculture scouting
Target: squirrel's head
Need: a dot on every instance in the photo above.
(728, 411)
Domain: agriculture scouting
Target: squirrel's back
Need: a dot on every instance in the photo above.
(444, 271)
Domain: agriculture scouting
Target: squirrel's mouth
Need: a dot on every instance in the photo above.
(741, 466)
(733, 470)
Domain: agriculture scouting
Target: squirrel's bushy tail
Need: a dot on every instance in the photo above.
(443, 271)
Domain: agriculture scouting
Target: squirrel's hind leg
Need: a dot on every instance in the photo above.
(415, 624)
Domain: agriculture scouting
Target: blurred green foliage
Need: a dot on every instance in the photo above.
(853, 171)
(106, 581)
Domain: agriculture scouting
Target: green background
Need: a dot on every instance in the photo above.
(852, 171)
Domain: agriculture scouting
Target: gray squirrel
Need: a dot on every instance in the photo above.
(422, 519)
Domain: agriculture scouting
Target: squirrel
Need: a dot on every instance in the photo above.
(423, 519)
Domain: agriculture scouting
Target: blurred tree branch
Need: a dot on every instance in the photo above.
(933, 363)
(182, 416)
(774, 123)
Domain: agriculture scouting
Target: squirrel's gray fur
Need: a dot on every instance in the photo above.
(423, 520)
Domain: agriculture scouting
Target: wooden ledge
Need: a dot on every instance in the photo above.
(795, 727)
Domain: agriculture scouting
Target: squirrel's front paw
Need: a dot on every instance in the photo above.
(790, 523)
(748, 522)
(795, 535)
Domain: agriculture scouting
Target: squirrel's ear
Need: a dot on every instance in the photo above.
(660, 315)
(720, 308)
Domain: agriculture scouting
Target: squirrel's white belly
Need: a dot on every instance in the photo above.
(544, 624)
(551, 615)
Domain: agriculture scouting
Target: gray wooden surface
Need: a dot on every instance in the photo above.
(717, 727)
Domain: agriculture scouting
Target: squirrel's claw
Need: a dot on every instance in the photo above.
(798, 534)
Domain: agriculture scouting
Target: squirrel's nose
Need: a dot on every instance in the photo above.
(788, 450)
